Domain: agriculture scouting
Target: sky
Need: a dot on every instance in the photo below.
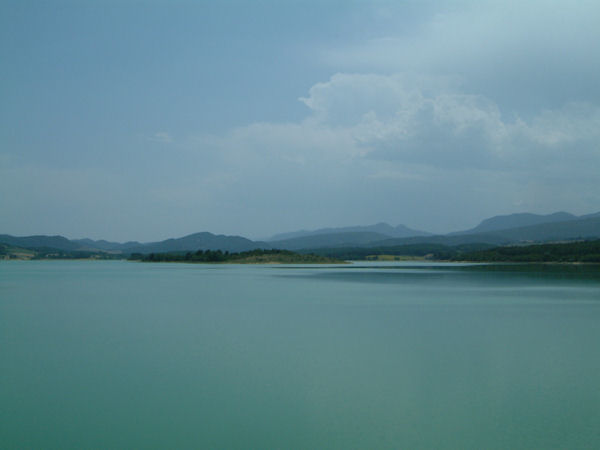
(131, 120)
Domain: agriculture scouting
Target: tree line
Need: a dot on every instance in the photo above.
(218, 256)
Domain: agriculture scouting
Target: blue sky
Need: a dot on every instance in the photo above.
(146, 120)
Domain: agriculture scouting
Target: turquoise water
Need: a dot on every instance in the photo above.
(112, 354)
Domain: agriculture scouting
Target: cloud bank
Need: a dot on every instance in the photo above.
(365, 131)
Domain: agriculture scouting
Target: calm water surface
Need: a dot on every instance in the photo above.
(129, 355)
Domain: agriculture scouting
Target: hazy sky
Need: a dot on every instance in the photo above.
(146, 120)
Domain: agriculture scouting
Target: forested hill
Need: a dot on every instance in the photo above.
(584, 251)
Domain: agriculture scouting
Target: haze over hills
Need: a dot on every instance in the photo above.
(576, 229)
(382, 228)
(589, 216)
(329, 240)
(106, 245)
(518, 220)
(498, 230)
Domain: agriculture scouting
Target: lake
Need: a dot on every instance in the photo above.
(115, 354)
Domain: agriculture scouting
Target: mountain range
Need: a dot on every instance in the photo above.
(498, 230)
